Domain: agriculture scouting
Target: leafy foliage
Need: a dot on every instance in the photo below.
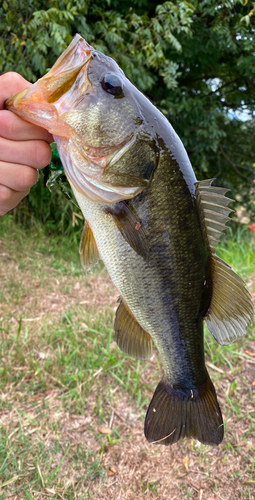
(195, 61)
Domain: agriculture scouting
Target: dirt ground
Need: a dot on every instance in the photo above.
(130, 467)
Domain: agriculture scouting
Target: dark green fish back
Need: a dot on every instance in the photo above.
(169, 215)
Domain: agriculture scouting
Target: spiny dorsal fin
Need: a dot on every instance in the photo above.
(130, 336)
(231, 309)
(214, 209)
(88, 250)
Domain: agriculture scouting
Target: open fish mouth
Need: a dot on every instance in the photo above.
(36, 103)
(47, 103)
(60, 101)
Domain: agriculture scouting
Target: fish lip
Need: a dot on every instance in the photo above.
(13, 101)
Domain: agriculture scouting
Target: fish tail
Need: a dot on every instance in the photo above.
(175, 413)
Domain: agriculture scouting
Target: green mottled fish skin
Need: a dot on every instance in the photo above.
(167, 286)
(169, 294)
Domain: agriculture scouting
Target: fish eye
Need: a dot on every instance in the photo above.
(112, 84)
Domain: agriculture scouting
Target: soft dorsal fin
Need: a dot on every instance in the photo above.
(231, 309)
(88, 250)
(130, 336)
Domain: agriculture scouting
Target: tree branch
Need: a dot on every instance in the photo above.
(235, 166)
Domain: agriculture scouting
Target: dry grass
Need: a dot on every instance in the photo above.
(72, 406)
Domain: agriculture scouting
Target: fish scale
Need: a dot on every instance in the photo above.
(155, 279)
(153, 225)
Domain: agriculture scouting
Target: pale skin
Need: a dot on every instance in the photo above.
(24, 148)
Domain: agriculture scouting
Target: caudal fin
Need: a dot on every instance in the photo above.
(177, 413)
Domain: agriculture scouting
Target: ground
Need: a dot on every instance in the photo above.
(72, 406)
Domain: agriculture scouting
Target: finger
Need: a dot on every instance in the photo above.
(17, 177)
(10, 199)
(11, 83)
(36, 154)
(14, 128)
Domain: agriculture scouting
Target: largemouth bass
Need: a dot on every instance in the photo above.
(153, 225)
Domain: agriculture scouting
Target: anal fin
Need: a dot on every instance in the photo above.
(130, 336)
(88, 249)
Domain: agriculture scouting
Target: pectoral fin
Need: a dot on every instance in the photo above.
(131, 228)
(231, 309)
(88, 249)
(130, 336)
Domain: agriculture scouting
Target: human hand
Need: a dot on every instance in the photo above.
(24, 148)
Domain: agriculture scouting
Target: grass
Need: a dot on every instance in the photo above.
(72, 405)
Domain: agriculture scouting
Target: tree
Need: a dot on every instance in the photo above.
(195, 61)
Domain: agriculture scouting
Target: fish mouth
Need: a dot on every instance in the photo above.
(36, 103)
(46, 103)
